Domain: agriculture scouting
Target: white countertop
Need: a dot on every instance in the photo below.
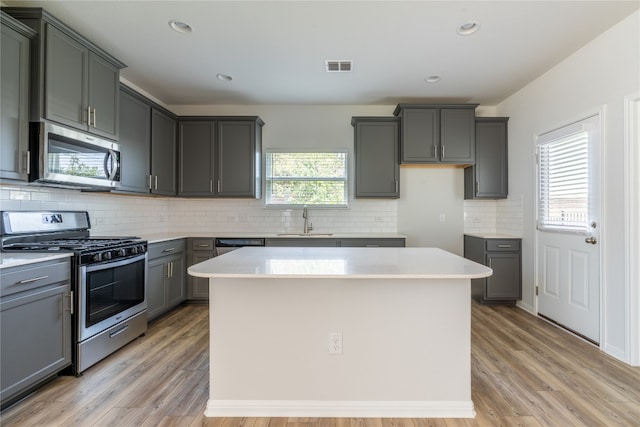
(161, 237)
(397, 263)
(493, 235)
(14, 259)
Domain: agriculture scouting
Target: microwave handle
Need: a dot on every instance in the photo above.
(111, 160)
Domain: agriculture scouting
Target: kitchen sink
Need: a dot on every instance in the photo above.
(305, 234)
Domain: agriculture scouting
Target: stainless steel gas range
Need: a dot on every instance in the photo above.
(109, 278)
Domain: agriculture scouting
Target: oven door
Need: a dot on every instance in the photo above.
(109, 293)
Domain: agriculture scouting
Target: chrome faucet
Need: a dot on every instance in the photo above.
(307, 225)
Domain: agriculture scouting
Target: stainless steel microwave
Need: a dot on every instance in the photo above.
(69, 158)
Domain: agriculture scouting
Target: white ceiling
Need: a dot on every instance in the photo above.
(275, 50)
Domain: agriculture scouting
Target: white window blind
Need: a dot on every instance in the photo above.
(316, 179)
(563, 186)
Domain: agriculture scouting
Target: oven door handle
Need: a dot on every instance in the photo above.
(107, 265)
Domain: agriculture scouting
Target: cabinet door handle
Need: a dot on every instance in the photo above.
(89, 115)
(95, 118)
(35, 279)
(168, 250)
(442, 154)
(477, 187)
(218, 186)
(397, 189)
(150, 178)
(156, 182)
(210, 186)
(504, 246)
(27, 160)
(435, 151)
(204, 245)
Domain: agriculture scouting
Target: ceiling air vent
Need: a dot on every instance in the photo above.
(338, 66)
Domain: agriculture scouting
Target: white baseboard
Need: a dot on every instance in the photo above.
(340, 409)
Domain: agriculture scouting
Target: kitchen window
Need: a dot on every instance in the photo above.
(317, 179)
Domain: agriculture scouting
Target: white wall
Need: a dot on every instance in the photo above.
(600, 74)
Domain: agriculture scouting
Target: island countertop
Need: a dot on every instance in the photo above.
(367, 263)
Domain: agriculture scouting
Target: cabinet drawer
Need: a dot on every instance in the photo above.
(201, 244)
(503, 245)
(157, 250)
(29, 277)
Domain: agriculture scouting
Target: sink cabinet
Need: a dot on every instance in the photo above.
(76, 83)
(377, 172)
(488, 177)
(15, 50)
(35, 326)
(504, 257)
(437, 133)
(166, 277)
(220, 157)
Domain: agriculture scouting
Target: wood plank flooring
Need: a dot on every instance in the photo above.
(525, 372)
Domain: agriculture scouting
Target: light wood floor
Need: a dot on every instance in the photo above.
(525, 372)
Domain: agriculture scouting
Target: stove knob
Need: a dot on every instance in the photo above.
(97, 257)
(133, 250)
(106, 255)
(122, 252)
(140, 249)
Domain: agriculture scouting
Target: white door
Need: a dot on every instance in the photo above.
(568, 208)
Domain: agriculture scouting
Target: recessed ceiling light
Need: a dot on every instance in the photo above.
(180, 27)
(432, 79)
(468, 28)
(224, 77)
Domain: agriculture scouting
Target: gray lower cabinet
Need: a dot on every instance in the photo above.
(502, 255)
(220, 157)
(14, 86)
(166, 277)
(398, 242)
(377, 172)
(437, 133)
(35, 326)
(75, 82)
(488, 177)
(199, 250)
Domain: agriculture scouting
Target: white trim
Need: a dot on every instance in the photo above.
(632, 227)
(342, 409)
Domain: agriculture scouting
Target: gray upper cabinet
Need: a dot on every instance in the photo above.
(437, 133)
(196, 149)
(14, 86)
(220, 157)
(148, 144)
(163, 153)
(135, 142)
(239, 158)
(75, 82)
(488, 177)
(377, 173)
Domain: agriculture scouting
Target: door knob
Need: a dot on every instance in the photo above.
(591, 240)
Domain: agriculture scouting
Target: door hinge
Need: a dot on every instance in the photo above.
(537, 290)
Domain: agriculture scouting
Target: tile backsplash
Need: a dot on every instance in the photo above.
(115, 214)
(494, 216)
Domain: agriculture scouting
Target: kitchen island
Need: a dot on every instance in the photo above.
(340, 332)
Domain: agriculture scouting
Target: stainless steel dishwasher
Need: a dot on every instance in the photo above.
(224, 245)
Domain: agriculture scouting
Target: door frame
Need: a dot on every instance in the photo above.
(601, 113)
(632, 228)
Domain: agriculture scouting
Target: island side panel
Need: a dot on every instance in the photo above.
(403, 340)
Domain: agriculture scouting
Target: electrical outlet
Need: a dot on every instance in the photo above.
(443, 217)
(378, 219)
(335, 343)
